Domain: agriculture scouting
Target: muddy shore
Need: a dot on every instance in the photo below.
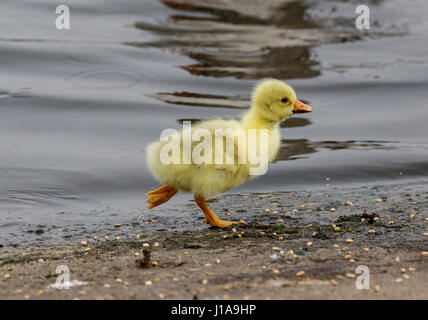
(300, 249)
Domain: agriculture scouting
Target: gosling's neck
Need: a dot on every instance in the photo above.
(253, 120)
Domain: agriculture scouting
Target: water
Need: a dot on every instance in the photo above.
(79, 106)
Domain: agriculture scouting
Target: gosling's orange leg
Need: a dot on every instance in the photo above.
(160, 195)
(211, 217)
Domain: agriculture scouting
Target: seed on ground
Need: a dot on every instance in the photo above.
(84, 243)
(239, 235)
(276, 248)
(309, 244)
(349, 240)
(426, 219)
(247, 298)
(275, 271)
(117, 238)
(262, 233)
(153, 221)
(424, 253)
(161, 295)
(399, 280)
(333, 282)
(156, 279)
(228, 214)
(138, 236)
(233, 230)
(426, 234)
(376, 219)
(395, 200)
(348, 203)
(397, 258)
(225, 237)
(280, 238)
(347, 257)
(136, 254)
(412, 216)
(207, 265)
(146, 245)
(106, 237)
(148, 283)
(366, 249)
(175, 279)
(376, 288)
(95, 238)
(156, 244)
(280, 220)
(339, 277)
(290, 252)
(88, 249)
(372, 231)
(336, 245)
(300, 273)
(332, 210)
(310, 225)
(411, 269)
(186, 253)
(336, 228)
(117, 225)
(154, 263)
(218, 261)
(406, 276)
(107, 286)
(6, 276)
(352, 261)
(379, 200)
(391, 222)
(205, 281)
(403, 270)
(275, 212)
(118, 280)
(302, 206)
(125, 283)
(82, 292)
(40, 292)
(266, 210)
(351, 275)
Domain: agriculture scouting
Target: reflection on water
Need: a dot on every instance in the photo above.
(293, 149)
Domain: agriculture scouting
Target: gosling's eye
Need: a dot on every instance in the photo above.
(284, 100)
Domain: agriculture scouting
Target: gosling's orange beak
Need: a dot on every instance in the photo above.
(300, 107)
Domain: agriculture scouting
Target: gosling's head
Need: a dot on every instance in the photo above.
(276, 101)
